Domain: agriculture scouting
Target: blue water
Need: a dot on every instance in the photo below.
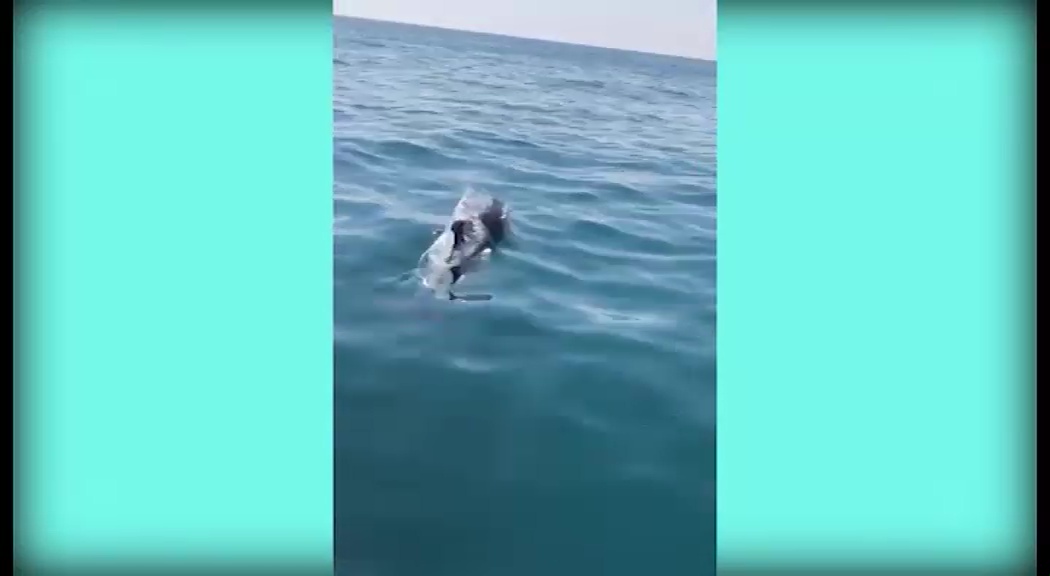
(567, 426)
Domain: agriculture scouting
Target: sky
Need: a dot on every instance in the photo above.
(678, 27)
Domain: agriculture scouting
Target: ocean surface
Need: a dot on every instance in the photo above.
(566, 426)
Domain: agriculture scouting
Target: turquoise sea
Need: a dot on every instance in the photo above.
(566, 426)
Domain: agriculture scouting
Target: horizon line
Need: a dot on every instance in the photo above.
(530, 38)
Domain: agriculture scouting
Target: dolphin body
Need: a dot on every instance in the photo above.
(478, 225)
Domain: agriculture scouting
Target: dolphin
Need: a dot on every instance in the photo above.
(479, 224)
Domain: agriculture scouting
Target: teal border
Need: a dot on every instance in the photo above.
(876, 289)
(875, 299)
(174, 398)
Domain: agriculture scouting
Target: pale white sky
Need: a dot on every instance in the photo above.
(679, 27)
